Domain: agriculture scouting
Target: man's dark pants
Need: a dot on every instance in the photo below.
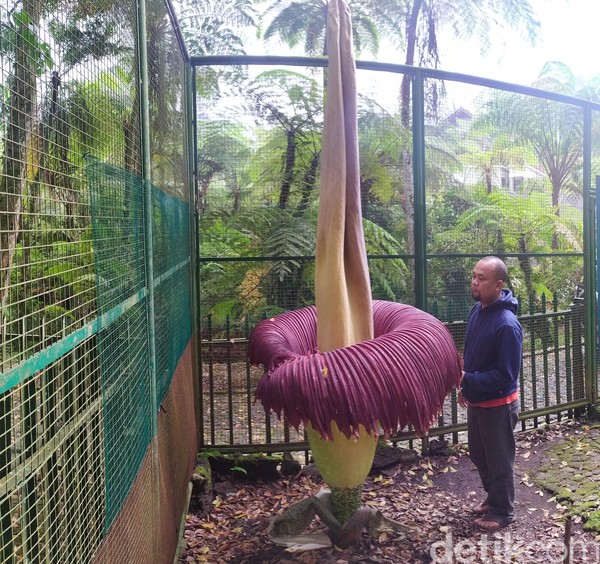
(492, 450)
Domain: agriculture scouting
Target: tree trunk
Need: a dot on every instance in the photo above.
(411, 42)
(407, 199)
(22, 85)
(288, 170)
(308, 183)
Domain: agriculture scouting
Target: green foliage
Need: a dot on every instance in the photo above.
(84, 38)
(19, 38)
(390, 277)
(304, 23)
(239, 469)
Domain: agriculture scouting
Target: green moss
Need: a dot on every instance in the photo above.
(203, 470)
(583, 508)
(565, 494)
(593, 521)
(570, 471)
(594, 412)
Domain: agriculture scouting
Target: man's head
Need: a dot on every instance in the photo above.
(489, 276)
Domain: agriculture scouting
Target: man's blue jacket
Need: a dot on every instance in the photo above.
(493, 348)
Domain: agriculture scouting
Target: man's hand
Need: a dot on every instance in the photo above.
(461, 399)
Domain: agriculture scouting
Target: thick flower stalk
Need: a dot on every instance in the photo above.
(349, 368)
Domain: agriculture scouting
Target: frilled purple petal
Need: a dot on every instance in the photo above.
(401, 376)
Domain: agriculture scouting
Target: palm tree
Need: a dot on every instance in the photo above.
(425, 18)
(298, 22)
(553, 131)
(292, 103)
(421, 22)
(505, 223)
(215, 27)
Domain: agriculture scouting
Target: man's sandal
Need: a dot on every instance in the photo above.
(481, 509)
(491, 522)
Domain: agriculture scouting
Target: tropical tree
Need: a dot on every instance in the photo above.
(422, 21)
(552, 131)
(215, 27)
(303, 23)
(224, 151)
(291, 103)
(514, 224)
(30, 57)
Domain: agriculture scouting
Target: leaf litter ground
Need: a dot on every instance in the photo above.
(434, 496)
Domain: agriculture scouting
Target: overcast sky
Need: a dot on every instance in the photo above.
(569, 33)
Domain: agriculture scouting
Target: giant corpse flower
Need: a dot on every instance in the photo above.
(348, 368)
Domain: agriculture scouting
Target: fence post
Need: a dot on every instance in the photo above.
(579, 382)
(420, 235)
(6, 548)
(597, 310)
(149, 249)
(589, 256)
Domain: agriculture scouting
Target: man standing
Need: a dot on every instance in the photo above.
(489, 388)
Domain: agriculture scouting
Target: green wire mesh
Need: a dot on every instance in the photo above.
(117, 214)
(75, 378)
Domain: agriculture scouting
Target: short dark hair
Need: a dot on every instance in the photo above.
(499, 267)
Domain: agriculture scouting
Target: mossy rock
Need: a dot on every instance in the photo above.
(569, 471)
(564, 494)
(583, 508)
(593, 521)
(202, 490)
(594, 412)
(245, 467)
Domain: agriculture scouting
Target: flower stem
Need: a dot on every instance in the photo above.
(345, 501)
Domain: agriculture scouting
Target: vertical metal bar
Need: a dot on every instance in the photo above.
(50, 480)
(6, 537)
(557, 367)
(532, 351)
(454, 412)
(68, 540)
(597, 311)
(191, 151)
(211, 377)
(268, 434)
(248, 383)
(522, 390)
(545, 335)
(97, 454)
(418, 116)
(578, 353)
(81, 476)
(227, 345)
(568, 356)
(589, 255)
(149, 235)
(31, 544)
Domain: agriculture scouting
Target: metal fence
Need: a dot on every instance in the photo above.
(97, 435)
(443, 184)
(97, 304)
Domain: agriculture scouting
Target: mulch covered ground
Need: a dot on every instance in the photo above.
(433, 495)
